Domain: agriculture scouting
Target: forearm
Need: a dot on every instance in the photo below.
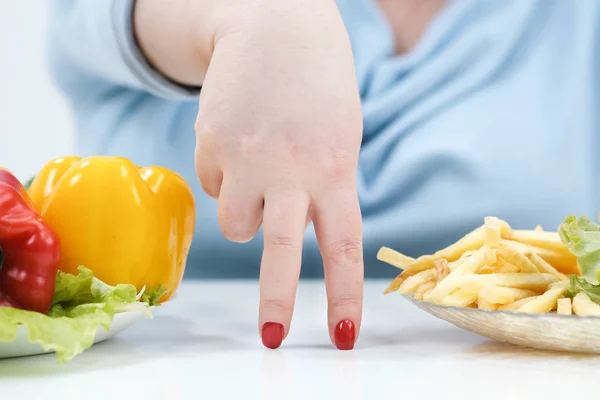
(92, 49)
(177, 37)
(164, 47)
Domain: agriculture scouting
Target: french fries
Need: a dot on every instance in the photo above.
(517, 304)
(494, 268)
(517, 259)
(423, 290)
(471, 241)
(545, 302)
(536, 282)
(394, 258)
(504, 295)
(546, 268)
(470, 266)
(564, 306)
(460, 299)
(582, 305)
(412, 283)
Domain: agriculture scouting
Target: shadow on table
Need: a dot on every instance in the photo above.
(122, 353)
(167, 336)
(507, 350)
(474, 345)
(411, 337)
(415, 336)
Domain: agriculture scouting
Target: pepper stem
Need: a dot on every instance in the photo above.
(27, 184)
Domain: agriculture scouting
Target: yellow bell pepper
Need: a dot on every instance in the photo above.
(127, 224)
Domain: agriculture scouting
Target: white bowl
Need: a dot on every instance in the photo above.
(21, 347)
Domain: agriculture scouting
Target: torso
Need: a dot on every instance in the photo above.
(463, 118)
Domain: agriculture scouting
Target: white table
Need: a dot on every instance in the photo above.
(205, 345)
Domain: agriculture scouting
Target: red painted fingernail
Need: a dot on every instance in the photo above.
(272, 334)
(345, 335)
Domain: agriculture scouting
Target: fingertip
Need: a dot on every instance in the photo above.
(345, 334)
(344, 326)
(272, 334)
(345, 317)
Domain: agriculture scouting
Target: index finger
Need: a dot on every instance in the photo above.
(338, 227)
(284, 222)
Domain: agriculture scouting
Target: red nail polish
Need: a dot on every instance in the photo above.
(272, 334)
(345, 335)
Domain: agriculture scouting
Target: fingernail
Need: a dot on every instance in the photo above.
(345, 335)
(272, 334)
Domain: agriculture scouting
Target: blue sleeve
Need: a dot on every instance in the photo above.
(92, 47)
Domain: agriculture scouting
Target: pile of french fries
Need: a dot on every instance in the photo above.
(494, 268)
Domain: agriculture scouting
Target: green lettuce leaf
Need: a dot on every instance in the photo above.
(582, 237)
(578, 285)
(153, 296)
(81, 305)
(72, 291)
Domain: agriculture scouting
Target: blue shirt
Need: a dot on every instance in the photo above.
(494, 112)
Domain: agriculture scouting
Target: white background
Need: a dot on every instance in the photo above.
(35, 125)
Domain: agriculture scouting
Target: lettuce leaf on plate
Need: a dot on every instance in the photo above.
(582, 237)
(81, 305)
(578, 285)
(153, 296)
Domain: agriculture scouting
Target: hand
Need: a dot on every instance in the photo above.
(278, 137)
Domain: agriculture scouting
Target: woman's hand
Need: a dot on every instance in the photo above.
(278, 137)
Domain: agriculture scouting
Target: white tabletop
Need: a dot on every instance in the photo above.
(205, 345)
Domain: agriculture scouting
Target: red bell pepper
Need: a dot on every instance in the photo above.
(30, 250)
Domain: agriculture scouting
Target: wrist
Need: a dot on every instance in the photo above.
(178, 37)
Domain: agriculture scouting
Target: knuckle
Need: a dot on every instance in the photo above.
(208, 137)
(292, 149)
(204, 127)
(345, 301)
(206, 148)
(346, 252)
(340, 158)
(338, 163)
(277, 306)
(285, 242)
